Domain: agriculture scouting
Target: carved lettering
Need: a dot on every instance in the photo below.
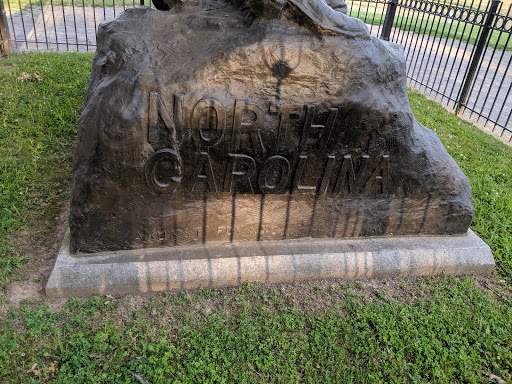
(346, 181)
(239, 172)
(204, 173)
(158, 108)
(252, 171)
(252, 128)
(324, 131)
(286, 112)
(223, 230)
(306, 128)
(366, 180)
(327, 174)
(208, 122)
(327, 128)
(156, 234)
(378, 182)
(299, 174)
(163, 170)
(274, 175)
(250, 231)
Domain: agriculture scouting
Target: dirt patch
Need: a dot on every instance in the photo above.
(497, 286)
(21, 290)
(39, 241)
(135, 302)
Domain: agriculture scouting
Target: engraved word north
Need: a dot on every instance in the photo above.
(233, 169)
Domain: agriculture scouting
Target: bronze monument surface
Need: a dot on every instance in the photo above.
(220, 123)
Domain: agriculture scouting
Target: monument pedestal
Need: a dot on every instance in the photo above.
(219, 146)
(177, 268)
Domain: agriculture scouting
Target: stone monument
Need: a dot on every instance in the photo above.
(259, 140)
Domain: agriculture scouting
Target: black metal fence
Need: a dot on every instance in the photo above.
(458, 52)
(57, 25)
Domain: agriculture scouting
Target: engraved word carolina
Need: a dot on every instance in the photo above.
(236, 146)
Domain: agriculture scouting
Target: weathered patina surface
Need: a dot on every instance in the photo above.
(205, 126)
(321, 16)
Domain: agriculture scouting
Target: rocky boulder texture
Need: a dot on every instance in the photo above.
(209, 125)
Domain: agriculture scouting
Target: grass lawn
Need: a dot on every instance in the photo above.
(440, 330)
(37, 132)
(424, 24)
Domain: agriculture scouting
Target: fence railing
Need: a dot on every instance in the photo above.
(59, 25)
(458, 52)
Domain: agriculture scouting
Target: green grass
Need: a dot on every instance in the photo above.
(438, 330)
(37, 132)
(434, 26)
(442, 330)
(488, 165)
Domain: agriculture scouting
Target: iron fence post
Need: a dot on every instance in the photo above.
(5, 44)
(388, 20)
(480, 47)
